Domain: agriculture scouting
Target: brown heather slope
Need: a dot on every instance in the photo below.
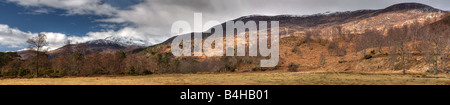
(351, 21)
(308, 55)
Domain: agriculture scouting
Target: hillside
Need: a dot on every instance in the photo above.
(350, 21)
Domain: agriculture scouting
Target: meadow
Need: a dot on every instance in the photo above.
(250, 78)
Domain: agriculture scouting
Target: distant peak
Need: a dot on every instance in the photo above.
(409, 6)
(121, 40)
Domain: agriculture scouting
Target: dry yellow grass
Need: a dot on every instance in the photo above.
(255, 78)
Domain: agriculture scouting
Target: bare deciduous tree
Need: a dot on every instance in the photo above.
(322, 60)
(368, 39)
(399, 38)
(392, 56)
(37, 43)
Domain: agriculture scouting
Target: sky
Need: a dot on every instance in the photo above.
(150, 20)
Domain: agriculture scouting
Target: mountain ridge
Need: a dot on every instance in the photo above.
(326, 21)
(120, 40)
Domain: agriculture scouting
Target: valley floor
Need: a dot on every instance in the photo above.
(251, 78)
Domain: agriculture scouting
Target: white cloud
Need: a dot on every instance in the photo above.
(12, 37)
(54, 40)
(39, 11)
(152, 20)
(108, 26)
(72, 6)
(15, 38)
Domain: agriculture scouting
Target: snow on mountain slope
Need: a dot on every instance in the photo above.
(120, 40)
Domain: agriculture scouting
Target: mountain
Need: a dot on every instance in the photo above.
(112, 44)
(108, 45)
(119, 41)
(409, 6)
(351, 21)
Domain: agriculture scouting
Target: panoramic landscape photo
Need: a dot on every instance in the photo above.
(224, 42)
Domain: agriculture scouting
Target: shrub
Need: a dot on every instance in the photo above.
(296, 50)
(195, 61)
(322, 60)
(367, 56)
(293, 67)
(148, 72)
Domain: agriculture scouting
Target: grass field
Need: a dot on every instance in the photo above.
(255, 78)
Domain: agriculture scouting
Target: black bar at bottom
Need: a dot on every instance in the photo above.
(267, 94)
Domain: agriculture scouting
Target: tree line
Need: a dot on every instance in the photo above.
(75, 61)
(430, 42)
